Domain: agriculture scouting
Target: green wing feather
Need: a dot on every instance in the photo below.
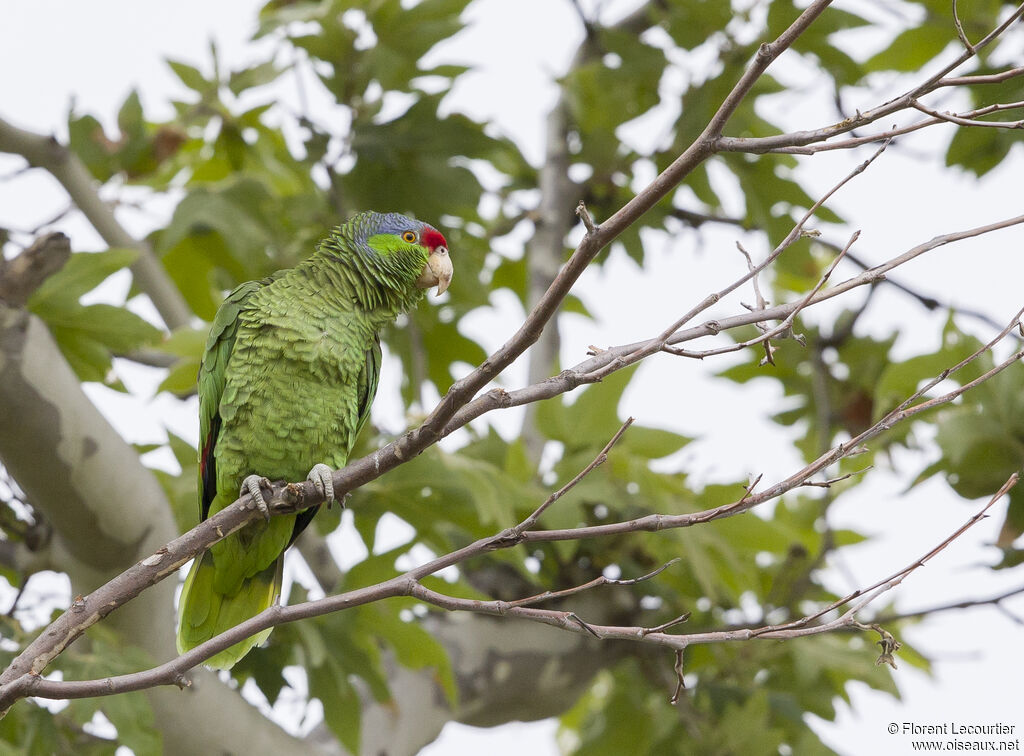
(206, 611)
(212, 374)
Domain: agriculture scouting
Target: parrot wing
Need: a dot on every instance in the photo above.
(212, 375)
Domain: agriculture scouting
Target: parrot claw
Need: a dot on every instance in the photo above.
(254, 485)
(321, 477)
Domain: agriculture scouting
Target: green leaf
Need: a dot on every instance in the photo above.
(188, 345)
(136, 727)
(118, 329)
(342, 708)
(980, 149)
(190, 76)
(913, 48)
(89, 336)
(899, 380)
(193, 263)
(691, 23)
(83, 272)
(652, 443)
(594, 418)
(254, 76)
(88, 141)
(414, 647)
(130, 118)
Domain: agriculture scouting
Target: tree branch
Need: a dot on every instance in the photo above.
(46, 152)
(22, 275)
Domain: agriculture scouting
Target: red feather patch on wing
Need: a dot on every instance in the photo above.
(204, 457)
(208, 469)
(433, 239)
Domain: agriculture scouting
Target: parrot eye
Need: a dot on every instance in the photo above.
(409, 237)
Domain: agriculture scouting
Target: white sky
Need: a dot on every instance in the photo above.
(93, 53)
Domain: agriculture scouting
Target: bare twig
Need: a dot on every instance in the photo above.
(513, 534)
(995, 601)
(782, 328)
(680, 683)
(968, 121)
(890, 582)
(832, 481)
(596, 582)
(684, 617)
(960, 31)
(972, 79)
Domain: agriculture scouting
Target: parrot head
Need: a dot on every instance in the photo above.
(398, 251)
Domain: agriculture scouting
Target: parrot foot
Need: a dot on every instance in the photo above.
(321, 477)
(254, 485)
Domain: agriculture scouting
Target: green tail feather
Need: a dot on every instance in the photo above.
(205, 612)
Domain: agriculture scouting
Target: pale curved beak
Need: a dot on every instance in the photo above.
(437, 272)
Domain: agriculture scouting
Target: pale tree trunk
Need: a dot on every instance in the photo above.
(544, 256)
(107, 511)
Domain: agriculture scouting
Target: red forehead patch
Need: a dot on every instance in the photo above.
(433, 239)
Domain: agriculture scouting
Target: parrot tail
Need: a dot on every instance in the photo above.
(204, 612)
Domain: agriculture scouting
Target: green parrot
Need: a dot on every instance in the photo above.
(286, 382)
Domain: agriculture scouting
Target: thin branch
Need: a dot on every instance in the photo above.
(40, 225)
(760, 303)
(684, 617)
(953, 118)
(798, 141)
(960, 31)
(890, 582)
(599, 460)
(894, 131)
(995, 601)
(605, 361)
(595, 583)
(972, 79)
(680, 683)
(832, 481)
(782, 328)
